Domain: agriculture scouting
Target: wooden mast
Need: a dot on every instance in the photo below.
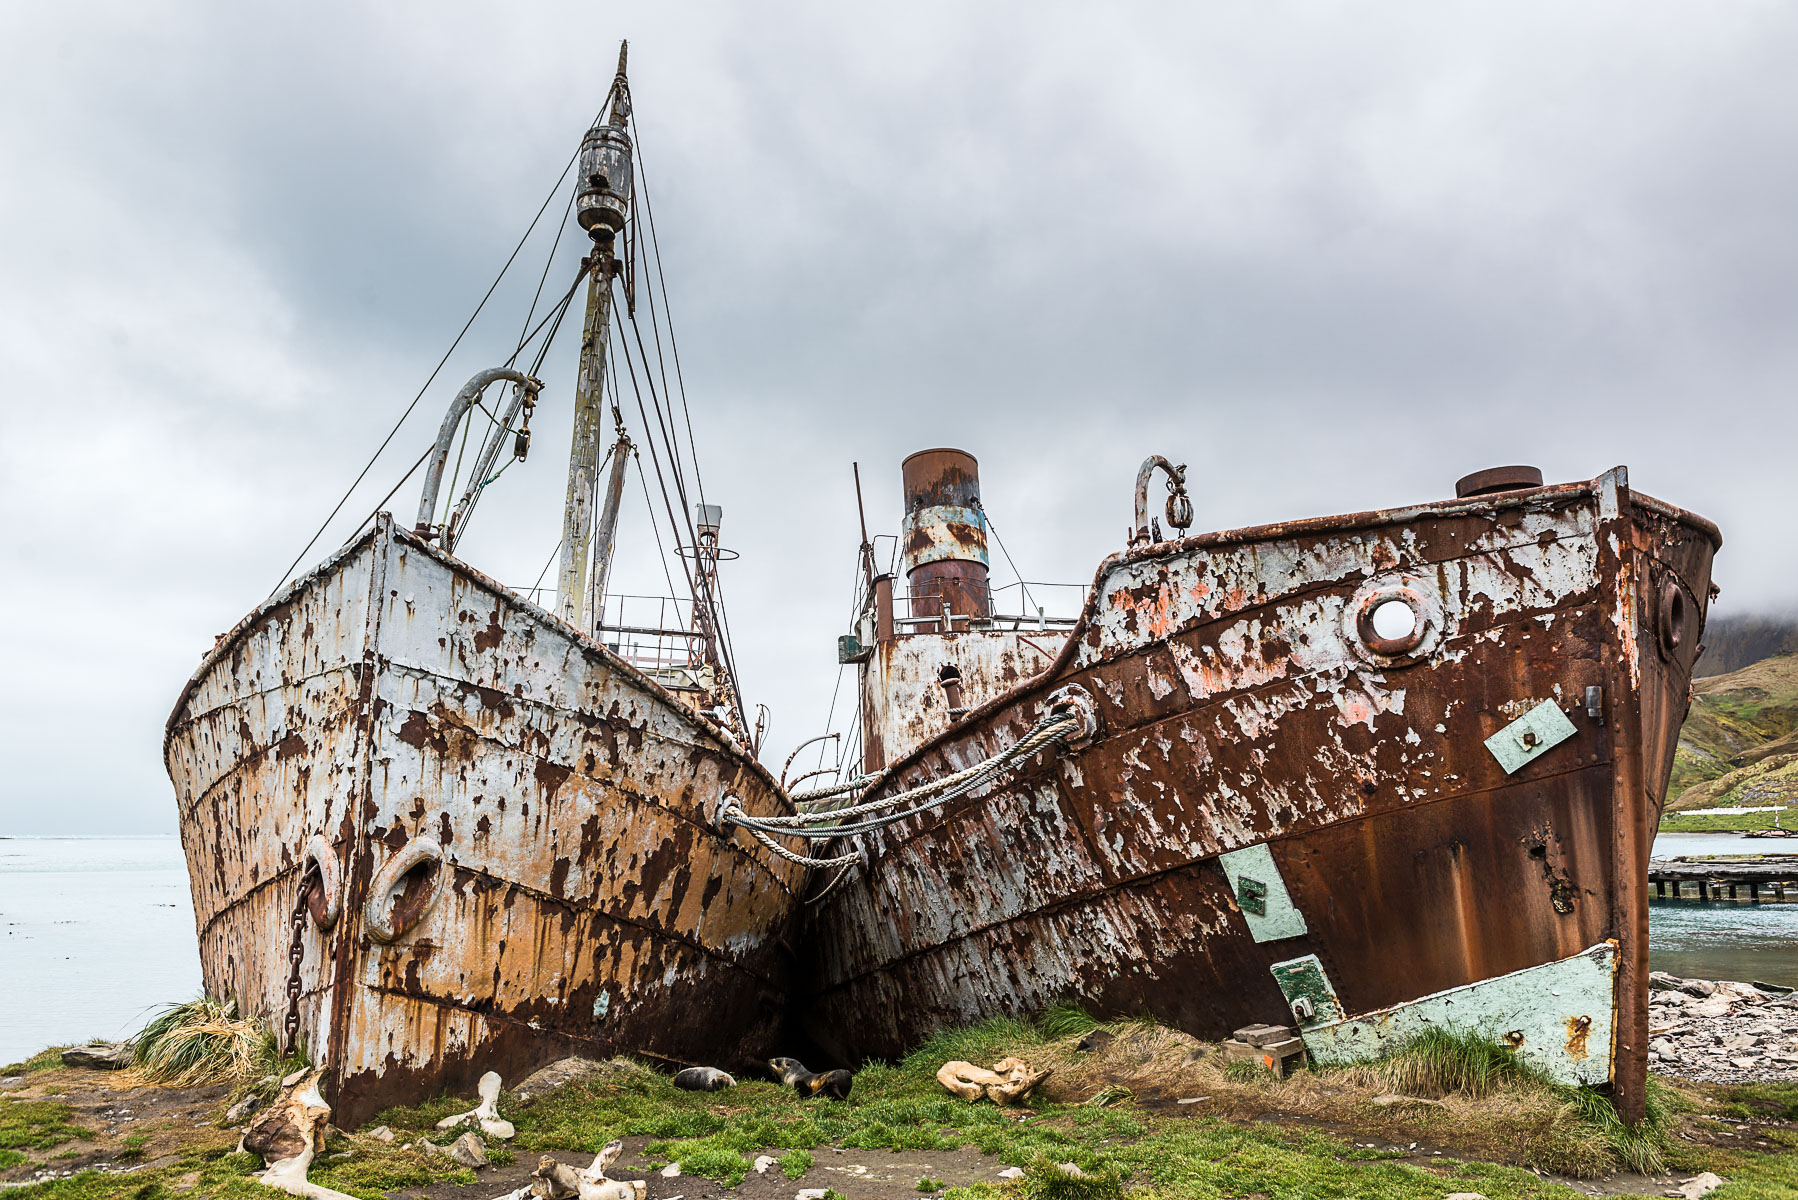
(602, 202)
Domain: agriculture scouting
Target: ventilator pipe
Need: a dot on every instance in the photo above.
(446, 433)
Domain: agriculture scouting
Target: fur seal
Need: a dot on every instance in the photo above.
(703, 1079)
(793, 1073)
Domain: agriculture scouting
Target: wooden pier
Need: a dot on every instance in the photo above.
(1675, 878)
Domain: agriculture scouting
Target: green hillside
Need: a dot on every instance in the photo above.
(1739, 747)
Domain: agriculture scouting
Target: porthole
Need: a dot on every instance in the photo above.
(1674, 615)
(1393, 621)
(404, 890)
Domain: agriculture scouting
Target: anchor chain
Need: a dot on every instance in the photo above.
(296, 953)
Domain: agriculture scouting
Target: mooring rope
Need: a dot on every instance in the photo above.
(828, 824)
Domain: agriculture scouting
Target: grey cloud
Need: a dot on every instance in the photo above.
(1333, 257)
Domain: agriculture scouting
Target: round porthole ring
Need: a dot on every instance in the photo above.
(1426, 625)
(325, 902)
(387, 926)
(1673, 612)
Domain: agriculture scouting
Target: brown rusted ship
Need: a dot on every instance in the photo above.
(1362, 774)
(434, 829)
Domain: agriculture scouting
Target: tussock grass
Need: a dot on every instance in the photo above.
(203, 1041)
(1064, 1019)
(1246, 1072)
(1439, 1063)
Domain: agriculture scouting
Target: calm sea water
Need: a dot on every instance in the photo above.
(95, 933)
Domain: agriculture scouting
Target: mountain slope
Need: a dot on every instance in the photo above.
(1734, 642)
(1739, 744)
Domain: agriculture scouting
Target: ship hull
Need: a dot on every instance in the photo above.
(522, 860)
(1245, 727)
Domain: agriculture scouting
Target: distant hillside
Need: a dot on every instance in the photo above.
(1739, 745)
(1731, 643)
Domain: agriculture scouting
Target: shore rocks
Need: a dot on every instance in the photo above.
(99, 1056)
(558, 1074)
(1718, 1031)
(240, 1112)
(469, 1150)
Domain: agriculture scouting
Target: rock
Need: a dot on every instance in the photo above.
(811, 1194)
(1715, 1006)
(1660, 981)
(763, 1162)
(98, 1056)
(381, 1133)
(1698, 987)
(1465, 1196)
(469, 1150)
(240, 1112)
(1739, 1041)
(1071, 1170)
(1743, 1063)
(1098, 1039)
(1775, 989)
(558, 1074)
(1698, 1185)
(671, 1171)
(1389, 1101)
(1012, 1173)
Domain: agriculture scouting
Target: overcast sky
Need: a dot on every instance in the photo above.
(1333, 256)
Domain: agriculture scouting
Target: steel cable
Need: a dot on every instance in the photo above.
(1053, 728)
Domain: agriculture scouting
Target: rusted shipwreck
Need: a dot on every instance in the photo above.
(434, 829)
(1365, 773)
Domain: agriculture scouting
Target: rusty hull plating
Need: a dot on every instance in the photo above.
(1245, 707)
(522, 859)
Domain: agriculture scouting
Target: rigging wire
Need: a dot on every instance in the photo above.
(719, 611)
(469, 324)
(649, 214)
(382, 503)
(654, 528)
(1023, 588)
(553, 319)
(713, 598)
(538, 586)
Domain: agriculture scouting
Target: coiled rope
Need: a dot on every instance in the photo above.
(830, 824)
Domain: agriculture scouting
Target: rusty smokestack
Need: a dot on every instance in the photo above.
(944, 536)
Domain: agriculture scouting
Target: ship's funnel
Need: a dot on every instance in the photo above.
(944, 536)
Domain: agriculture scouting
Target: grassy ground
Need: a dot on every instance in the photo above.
(1478, 1125)
(1677, 822)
